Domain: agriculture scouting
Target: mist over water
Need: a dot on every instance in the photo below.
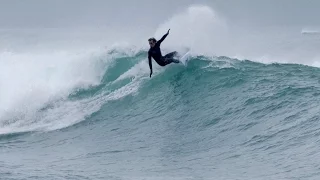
(77, 102)
(206, 32)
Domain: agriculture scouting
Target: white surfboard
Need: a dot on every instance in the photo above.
(184, 59)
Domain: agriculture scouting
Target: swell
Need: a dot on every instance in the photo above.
(245, 89)
(231, 111)
(236, 89)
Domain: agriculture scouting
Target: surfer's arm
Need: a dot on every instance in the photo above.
(163, 37)
(150, 64)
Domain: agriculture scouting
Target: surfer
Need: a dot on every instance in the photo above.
(155, 53)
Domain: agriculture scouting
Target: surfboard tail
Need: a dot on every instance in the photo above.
(184, 59)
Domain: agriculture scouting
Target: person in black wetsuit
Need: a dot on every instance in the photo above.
(155, 53)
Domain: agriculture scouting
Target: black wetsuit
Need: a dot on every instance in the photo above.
(155, 53)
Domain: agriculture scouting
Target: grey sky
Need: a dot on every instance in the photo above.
(126, 13)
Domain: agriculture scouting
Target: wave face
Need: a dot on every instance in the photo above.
(217, 117)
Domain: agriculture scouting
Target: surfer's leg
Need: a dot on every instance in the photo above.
(170, 55)
(171, 60)
(168, 58)
(175, 60)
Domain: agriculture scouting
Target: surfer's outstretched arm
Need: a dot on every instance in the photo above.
(163, 37)
(150, 64)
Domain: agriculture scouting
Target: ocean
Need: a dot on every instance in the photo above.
(75, 109)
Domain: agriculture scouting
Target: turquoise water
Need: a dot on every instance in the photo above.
(216, 118)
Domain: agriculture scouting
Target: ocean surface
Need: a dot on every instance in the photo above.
(95, 113)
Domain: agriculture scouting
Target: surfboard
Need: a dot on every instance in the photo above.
(184, 59)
